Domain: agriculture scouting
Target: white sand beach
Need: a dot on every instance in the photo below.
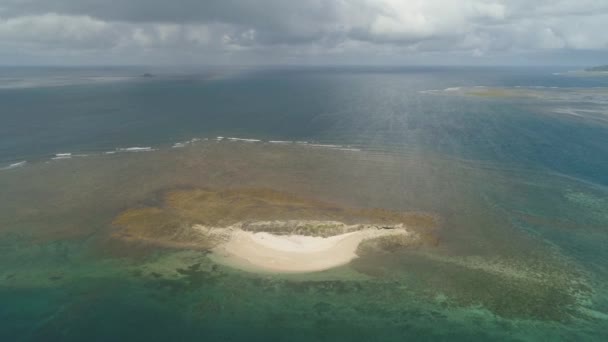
(262, 251)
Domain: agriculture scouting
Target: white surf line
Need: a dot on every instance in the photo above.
(185, 143)
(59, 156)
(324, 145)
(135, 149)
(310, 144)
(334, 147)
(243, 139)
(14, 165)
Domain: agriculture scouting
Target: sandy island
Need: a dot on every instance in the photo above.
(263, 230)
(263, 251)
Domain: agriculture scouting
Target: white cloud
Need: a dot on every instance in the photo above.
(54, 29)
(305, 28)
(198, 34)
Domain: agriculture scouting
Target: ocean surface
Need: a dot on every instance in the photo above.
(512, 161)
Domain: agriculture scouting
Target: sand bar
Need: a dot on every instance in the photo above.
(262, 251)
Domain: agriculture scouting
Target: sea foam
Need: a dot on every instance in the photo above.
(14, 165)
(135, 149)
(62, 156)
(242, 139)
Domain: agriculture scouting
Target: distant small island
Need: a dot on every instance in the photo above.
(601, 68)
(147, 75)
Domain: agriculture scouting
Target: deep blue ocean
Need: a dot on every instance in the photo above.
(502, 154)
(49, 111)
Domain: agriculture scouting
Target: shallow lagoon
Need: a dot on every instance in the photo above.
(507, 265)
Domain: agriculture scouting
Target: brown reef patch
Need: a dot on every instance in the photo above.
(170, 223)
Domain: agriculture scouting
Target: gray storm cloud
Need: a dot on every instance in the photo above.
(293, 31)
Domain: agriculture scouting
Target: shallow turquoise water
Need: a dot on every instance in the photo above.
(519, 187)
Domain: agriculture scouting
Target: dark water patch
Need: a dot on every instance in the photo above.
(379, 109)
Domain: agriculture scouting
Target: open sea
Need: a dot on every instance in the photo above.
(513, 162)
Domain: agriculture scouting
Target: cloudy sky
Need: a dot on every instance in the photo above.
(303, 32)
